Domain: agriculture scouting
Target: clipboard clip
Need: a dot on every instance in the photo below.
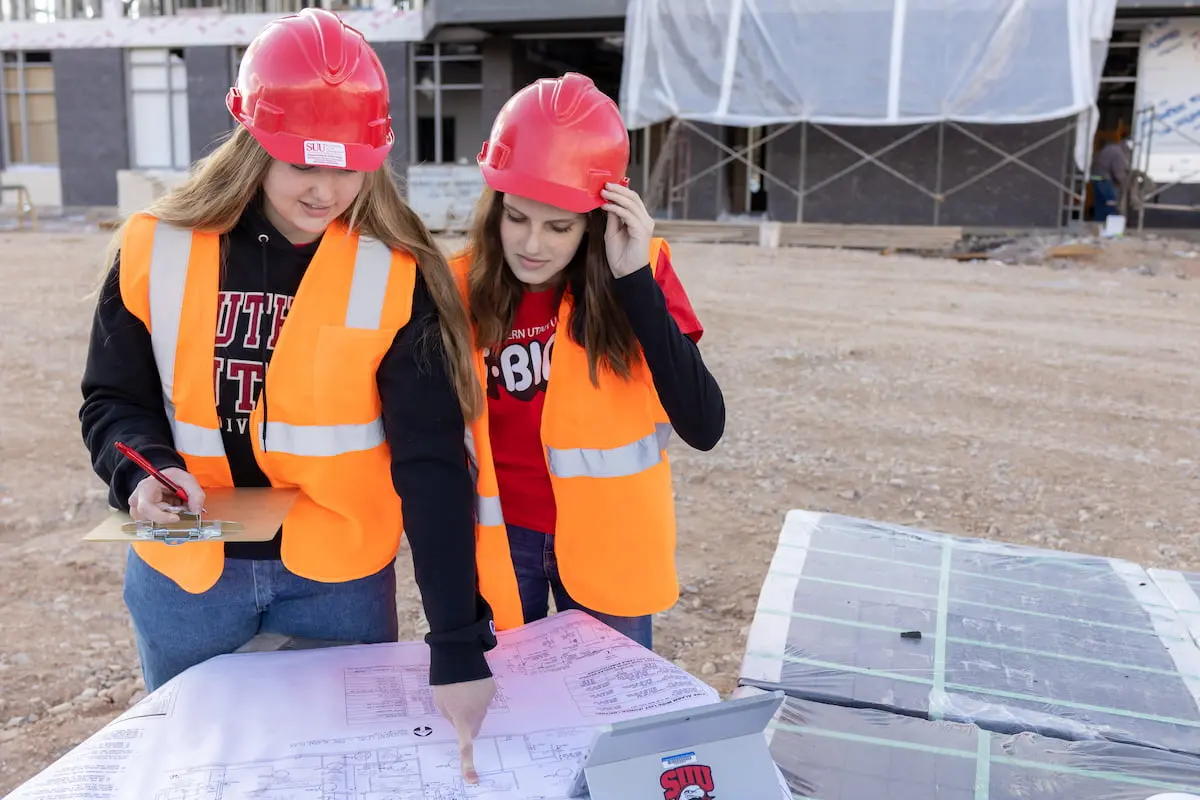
(190, 528)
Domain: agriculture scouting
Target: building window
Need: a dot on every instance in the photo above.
(446, 94)
(30, 120)
(236, 53)
(158, 113)
(48, 10)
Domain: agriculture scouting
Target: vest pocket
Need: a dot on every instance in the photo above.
(344, 387)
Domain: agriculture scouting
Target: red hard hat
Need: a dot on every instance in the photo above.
(312, 91)
(557, 141)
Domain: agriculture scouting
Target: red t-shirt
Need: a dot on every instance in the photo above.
(516, 391)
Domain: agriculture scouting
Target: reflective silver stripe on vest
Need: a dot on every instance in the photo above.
(488, 510)
(170, 253)
(364, 309)
(322, 440)
(197, 441)
(663, 430)
(487, 507)
(615, 462)
(469, 440)
(372, 266)
(169, 256)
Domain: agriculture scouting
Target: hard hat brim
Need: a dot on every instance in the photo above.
(311, 152)
(568, 198)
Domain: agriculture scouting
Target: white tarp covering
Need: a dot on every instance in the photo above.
(1169, 82)
(743, 63)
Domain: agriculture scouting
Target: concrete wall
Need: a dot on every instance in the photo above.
(1186, 194)
(394, 57)
(499, 79)
(1009, 196)
(506, 68)
(706, 196)
(93, 138)
(209, 76)
(44, 185)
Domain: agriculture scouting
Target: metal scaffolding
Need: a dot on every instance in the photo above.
(672, 173)
(1140, 189)
(727, 77)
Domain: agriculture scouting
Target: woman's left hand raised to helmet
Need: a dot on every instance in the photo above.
(627, 237)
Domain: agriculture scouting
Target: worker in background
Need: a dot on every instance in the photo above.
(359, 399)
(1110, 171)
(588, 352)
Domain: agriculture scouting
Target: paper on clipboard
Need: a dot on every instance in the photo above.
(245, 515)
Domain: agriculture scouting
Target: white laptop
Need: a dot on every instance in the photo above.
(712, 752)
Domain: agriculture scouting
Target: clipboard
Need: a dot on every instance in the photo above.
(231, 515)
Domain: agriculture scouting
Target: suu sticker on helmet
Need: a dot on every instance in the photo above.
(312, 91)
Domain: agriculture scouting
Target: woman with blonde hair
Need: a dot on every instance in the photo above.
(359, 399)
(588, 349)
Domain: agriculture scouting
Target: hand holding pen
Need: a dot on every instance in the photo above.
(157, 497)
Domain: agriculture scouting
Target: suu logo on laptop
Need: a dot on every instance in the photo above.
(690, 782)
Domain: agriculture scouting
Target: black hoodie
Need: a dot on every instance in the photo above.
(422, 420)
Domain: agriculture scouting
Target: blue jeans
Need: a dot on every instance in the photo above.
(175, 629)
(537, 576)
(1104, 199)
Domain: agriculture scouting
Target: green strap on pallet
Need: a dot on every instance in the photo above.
(984, 759)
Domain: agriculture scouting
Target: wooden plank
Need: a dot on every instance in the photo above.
(707, 232)
(807, 234)
(871, 237)
(1073, 250)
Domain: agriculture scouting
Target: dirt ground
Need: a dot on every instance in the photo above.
(1053, 405)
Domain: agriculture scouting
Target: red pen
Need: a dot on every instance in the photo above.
(137, 458)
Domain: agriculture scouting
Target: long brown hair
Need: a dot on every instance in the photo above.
(215, 195)
(598, 323)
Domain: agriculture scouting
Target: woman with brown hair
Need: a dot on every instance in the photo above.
(588, 352)
(359, 399)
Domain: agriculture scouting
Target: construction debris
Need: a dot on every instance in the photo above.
(1150, 254)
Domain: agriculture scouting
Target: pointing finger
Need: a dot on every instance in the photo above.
(466, 753)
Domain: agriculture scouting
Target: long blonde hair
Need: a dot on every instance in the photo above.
(213, 198)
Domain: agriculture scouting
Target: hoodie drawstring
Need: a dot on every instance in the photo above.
(263, 241)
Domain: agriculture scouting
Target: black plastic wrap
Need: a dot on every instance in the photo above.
(1010, 638)
(834, 753)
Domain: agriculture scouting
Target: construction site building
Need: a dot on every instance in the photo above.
(107, 102)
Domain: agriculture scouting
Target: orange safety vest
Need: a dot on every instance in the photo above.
(606, 451)
(324, 430)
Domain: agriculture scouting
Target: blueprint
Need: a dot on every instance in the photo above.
(358, 723)
(531, 766)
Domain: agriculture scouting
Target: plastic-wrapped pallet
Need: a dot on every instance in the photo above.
(1013, 639)
(836, 753)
